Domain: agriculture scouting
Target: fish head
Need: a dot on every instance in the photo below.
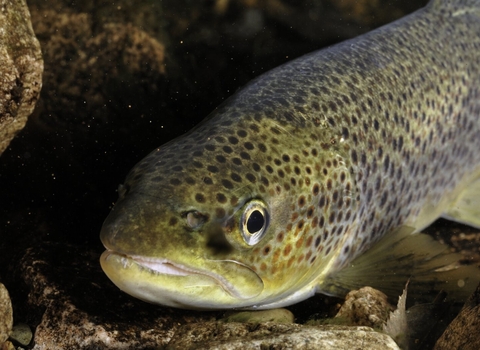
(218, 219)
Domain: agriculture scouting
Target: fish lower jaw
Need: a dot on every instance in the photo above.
(161, 281)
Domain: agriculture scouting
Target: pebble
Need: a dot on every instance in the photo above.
(21, 334)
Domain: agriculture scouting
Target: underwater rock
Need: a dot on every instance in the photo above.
(79, 308)
(365, 307)
(94, 72)
(22, 334)
(262, 316)
(21, 68)
(6, 315)
(245, 336)
(463, 331)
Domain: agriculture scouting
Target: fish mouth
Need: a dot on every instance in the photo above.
(217, 285)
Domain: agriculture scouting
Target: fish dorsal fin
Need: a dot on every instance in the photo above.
(466, 208)
(401, 256)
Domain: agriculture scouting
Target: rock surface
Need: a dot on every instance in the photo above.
(74, 308)
(6, 315)
(21, 68)
(232, 336)
(365, 307)
(463, 331)
(262, 316)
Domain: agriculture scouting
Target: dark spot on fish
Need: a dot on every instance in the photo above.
(235, 177)
(200, 198)
(335, 196)
(227, 184)
(331, 218)
(386, 163)
(321, 202)
(212, 169)
(254, 127)
(383, 199)
(310, 212)
(220, 158)
(250, 177)
(210, 147)
(207, 180)
(173, 221)
(245, 155)
(354, 156)
(329, 184)
(233, 140)
(242, 133)
(287, 249)
(316, 189)
(248, 145)
(175, 181)
(264, 180)
(280, 237)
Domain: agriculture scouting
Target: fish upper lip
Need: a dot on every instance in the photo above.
(167, 267)
(160, 266)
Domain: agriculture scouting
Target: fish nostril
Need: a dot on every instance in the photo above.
(195, 219)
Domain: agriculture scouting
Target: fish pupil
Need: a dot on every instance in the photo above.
(255, 221)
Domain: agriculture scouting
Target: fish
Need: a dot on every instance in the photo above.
(316, 177)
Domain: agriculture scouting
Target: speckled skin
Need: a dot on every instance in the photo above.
(341, 145)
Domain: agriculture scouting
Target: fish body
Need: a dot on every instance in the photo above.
(306, 168)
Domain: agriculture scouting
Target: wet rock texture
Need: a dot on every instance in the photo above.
(74, 309)
(365, 307)
(121, 79)
(6, 315)
(239, 336)
(21, 69)
(463, 331)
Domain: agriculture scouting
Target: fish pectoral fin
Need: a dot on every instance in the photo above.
(466, 208)
(402, 256)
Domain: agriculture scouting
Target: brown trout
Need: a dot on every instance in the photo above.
(316, 177)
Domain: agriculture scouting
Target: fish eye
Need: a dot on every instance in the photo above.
(255, 220)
